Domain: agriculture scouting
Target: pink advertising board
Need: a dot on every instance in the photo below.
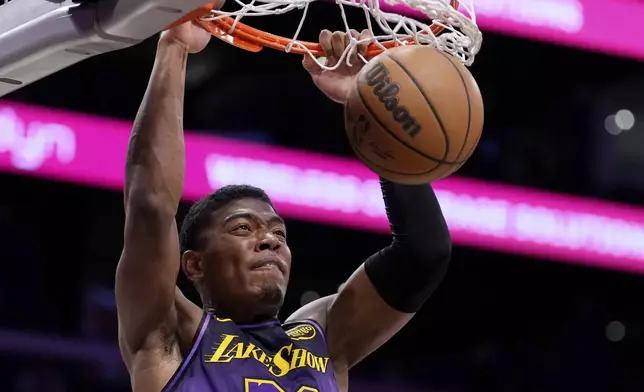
(610, 26)
(90, 150)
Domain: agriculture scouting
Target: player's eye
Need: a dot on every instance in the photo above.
(243, 227)
(280, 233)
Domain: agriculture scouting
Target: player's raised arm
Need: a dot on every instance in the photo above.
(147, 271)
(385, 292)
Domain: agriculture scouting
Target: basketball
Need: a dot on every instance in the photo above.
(414, 115)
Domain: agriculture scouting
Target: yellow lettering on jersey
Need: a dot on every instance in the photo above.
(235, 352)
(299, 358)
(249, 351)
(224, 347)
(321, 363)
(280, 365)
(286, 359)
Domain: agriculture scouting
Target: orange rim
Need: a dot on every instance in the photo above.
(254, 40)
(194, 15)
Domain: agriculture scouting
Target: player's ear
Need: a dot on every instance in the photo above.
(192, 265)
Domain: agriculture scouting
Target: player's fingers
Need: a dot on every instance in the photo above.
(364, 40)
(353, 34)
(325, 42)
(337, 43)
(311, 65)
(326, 38)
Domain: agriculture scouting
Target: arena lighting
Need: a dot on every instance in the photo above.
(623, 120)
(615, 331)
(91, 150)
(610, 124)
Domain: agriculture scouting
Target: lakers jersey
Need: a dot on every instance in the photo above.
(265, 357)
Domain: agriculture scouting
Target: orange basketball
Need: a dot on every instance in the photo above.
(414, 115)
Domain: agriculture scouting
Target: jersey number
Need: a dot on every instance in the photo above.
(256, 385)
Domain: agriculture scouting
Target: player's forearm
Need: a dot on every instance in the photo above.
(417, 222)
(155, 165)
(410, 269)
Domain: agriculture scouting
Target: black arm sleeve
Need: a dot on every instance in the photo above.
(406, 272)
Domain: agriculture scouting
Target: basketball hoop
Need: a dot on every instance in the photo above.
(450, 31)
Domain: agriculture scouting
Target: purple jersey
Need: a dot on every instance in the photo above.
(265, 357)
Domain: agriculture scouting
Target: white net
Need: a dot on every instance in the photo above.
(460, 36)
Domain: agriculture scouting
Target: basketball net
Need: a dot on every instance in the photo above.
(450, 30)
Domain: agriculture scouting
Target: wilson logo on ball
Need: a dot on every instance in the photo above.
(387, 92)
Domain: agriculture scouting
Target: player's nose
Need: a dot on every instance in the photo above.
(268, 241)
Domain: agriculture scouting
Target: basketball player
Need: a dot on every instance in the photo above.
(233, 247)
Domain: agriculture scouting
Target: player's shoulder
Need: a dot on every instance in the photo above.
(312, 313)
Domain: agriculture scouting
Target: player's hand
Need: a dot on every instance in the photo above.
(189, 35)
(337, 83)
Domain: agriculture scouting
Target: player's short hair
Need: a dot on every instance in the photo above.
(198, 217)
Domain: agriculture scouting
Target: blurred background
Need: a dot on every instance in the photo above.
(564, 114)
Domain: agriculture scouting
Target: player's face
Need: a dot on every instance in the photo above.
(247, 261)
